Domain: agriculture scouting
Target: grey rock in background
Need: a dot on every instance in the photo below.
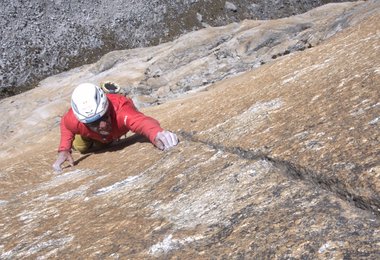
(281, 162)
(43, 38)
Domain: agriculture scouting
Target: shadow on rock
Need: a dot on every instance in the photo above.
(122, 143)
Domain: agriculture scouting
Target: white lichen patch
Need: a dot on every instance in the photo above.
(169, 243)
(330, 247)
(324, 247)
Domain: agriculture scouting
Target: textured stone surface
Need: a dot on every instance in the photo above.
(42, 38)
(280, 162)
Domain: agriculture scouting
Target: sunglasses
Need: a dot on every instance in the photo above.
(96, 123)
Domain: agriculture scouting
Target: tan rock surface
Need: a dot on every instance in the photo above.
(280, 162)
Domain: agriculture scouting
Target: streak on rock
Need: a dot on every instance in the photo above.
(169, 244)
(118, 185)
(374, 121)
(67, 177)
(78, 192)
(28, 250)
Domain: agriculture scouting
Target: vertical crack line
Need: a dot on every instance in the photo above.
(298, 172)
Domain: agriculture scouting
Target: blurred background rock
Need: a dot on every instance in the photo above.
(43, 38)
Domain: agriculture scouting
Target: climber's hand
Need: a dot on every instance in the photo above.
(165, 140)
(62, 157)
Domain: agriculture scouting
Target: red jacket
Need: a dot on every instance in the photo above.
(124, 117)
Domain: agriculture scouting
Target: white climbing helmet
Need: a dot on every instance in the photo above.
(89, 102)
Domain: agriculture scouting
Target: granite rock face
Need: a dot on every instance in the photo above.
(43, 38)
(278, 162)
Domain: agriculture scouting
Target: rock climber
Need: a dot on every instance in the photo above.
(97, 118)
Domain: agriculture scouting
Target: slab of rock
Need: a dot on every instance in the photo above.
(279, 162)
(289, 116)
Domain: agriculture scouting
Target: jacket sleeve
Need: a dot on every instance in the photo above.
(67, 136)
(137, 122)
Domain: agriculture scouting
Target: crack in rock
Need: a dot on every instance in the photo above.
(295, 171)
